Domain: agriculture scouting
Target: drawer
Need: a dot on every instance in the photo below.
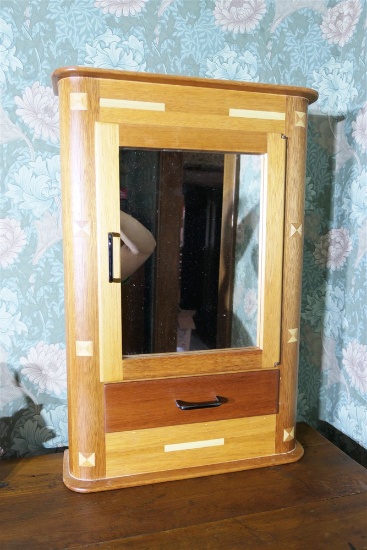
(189, 446)
(152, 403)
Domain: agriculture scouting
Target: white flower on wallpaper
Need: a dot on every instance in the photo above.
(355, 363)
(39, 109)
(355, 202)
(340, 22)
(239, 16)
(45, 367)
(10, 317)
(335, 84)
(12, 241)
(8, 61)
(230, 65)
(333, 249)
(110, 51)
(121, 7)
(37, 185)
(360, 128)
(48, 233)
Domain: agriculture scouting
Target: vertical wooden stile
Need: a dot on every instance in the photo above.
(79, 100)
(296, 132)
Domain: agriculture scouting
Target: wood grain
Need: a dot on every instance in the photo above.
(143, 451)
(108, 221)
(193, 139)
(148, 404)
(67, 72)
(318, 502)
(85, 393)
(292, 274)
(191, 364)
(271, 251)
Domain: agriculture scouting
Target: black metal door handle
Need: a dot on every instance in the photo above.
(111, 277)
(189, 405)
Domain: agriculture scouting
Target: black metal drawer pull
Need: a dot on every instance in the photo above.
(189, 405)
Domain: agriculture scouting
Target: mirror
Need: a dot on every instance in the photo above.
(198, 290)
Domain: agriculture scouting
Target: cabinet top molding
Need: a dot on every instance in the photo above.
(91, 72)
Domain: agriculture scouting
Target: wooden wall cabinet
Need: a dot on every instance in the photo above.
(125, 427)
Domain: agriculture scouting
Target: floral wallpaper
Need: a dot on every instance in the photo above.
(246, 275)
(315, 43)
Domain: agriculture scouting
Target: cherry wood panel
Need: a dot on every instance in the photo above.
(318, 502)
(152, 403)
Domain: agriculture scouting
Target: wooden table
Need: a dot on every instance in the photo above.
(319, 502)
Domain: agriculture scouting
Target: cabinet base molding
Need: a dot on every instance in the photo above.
(107, 484)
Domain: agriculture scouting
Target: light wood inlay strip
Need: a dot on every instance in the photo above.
(264, 115)
(131, 104)
(193, 445)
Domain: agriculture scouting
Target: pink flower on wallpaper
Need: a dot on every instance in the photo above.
(121, 7)
(12, 241)
(39, 108)
(340, 22)
(355, 362)
(45, 367)
(360, 128)
(239, 16)
(333, 249)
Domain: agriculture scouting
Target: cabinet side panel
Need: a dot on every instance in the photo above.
(296, 131)
(78, 112)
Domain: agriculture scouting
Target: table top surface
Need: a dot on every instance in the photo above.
(319, 502)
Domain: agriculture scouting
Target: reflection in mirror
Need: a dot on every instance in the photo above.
(198, 290)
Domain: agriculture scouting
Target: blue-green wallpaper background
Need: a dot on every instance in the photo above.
(314, 43)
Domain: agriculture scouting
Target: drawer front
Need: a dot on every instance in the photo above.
(189, 446)
(152, 403)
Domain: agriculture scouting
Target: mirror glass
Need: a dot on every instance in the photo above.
(197, 287)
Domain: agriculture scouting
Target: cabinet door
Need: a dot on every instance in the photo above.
(265, 353)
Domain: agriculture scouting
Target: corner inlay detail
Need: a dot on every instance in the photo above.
(87, 460)
(84, 348)
(288, 434)
(78, 101)
(300, 119)
(296, 228)
(81, 228)
(294, 335)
